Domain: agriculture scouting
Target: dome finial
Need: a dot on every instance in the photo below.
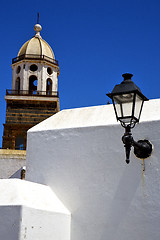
(37, 27)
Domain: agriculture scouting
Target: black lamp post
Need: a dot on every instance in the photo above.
(128, 101)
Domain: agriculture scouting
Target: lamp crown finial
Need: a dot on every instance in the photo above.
(127, 76)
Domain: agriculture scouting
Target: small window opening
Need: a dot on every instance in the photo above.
(32, 84)
(17, 87)
(33, 67)
(49, 87)
(19, 143)
(18, 69)
(49, 70)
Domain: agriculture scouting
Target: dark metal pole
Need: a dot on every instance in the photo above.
(38, 18)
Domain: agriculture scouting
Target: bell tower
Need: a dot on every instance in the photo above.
(34, 95)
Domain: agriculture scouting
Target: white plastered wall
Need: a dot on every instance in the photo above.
(11, 163)
(52, 76)
(15, 75)
(80, 155)
(31, 211)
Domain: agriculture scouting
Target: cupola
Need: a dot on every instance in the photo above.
(35, 68)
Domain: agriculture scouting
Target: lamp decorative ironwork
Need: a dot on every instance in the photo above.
(128, 101)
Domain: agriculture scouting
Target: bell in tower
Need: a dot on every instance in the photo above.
(34, 96)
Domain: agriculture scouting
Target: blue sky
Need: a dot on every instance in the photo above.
(94, 41)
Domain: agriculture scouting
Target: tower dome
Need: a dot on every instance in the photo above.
(36, 46)
(35, 69)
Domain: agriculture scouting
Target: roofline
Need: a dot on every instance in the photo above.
(35, 57)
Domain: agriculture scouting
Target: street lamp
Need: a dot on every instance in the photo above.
(128, 101)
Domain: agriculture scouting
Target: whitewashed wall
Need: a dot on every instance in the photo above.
(79, 154)
(31, 211)
(11, 163)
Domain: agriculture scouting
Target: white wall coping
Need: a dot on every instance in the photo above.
(20, 192)
(94, 116)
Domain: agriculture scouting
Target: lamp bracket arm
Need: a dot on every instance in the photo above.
(142, 148)
(138, 144)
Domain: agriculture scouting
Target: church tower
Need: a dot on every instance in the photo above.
(34, 96)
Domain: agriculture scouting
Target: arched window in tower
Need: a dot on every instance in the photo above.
(32, 84)
(17, 86)
(49, 87)
(19, 142)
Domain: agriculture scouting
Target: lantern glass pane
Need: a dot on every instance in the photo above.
(138, 106)
(124, 106)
